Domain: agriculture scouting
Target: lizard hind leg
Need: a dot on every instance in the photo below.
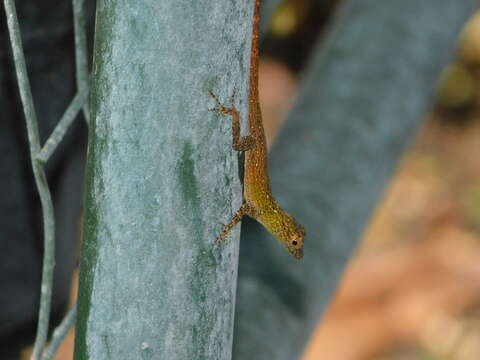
(239, 143)
(245, 209)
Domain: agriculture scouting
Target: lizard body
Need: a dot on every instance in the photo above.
(259, 201)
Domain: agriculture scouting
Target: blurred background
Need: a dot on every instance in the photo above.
(412, 290)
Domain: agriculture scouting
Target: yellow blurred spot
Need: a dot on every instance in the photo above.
(456, 87)
(284, 20)
(470, 40)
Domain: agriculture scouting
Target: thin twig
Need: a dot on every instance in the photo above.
(60, 332)
(63, 125)
(81, 59)
(40, 178)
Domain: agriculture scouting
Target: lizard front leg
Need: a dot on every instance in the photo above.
(239, 143)
(245, 209)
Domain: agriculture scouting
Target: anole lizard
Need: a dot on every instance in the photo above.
(259, 202)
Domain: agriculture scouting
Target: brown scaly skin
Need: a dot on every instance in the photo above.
(259, 202)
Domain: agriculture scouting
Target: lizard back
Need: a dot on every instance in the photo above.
(256, 181)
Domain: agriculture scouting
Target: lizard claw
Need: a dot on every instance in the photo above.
(222, 110)
(232, 98)
(215, 97)
(220, 239)
(220, 107)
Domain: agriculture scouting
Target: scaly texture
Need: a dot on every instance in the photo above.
(259, 201)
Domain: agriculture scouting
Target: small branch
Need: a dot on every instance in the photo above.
(40, 178)
(60, 332)
(81, 57)
(57, 135)
(267, 9)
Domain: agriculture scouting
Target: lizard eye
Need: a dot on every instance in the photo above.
(294, 242)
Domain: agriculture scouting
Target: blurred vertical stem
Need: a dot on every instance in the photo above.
(162, 179)
(59, 333)
(360, 102)
(40, 179)
(81, 51)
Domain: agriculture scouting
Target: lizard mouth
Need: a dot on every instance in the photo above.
(297, 253)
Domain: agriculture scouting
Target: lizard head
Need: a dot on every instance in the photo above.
(295, 240)
(284, 227)
(290, 234)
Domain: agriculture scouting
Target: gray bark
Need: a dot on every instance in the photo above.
(162, 180)
(362, 98)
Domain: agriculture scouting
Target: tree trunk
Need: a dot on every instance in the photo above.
(162, 179)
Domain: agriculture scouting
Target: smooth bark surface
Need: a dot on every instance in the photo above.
(162, 180)
(362, 98)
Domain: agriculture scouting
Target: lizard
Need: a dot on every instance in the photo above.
(259, 202)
